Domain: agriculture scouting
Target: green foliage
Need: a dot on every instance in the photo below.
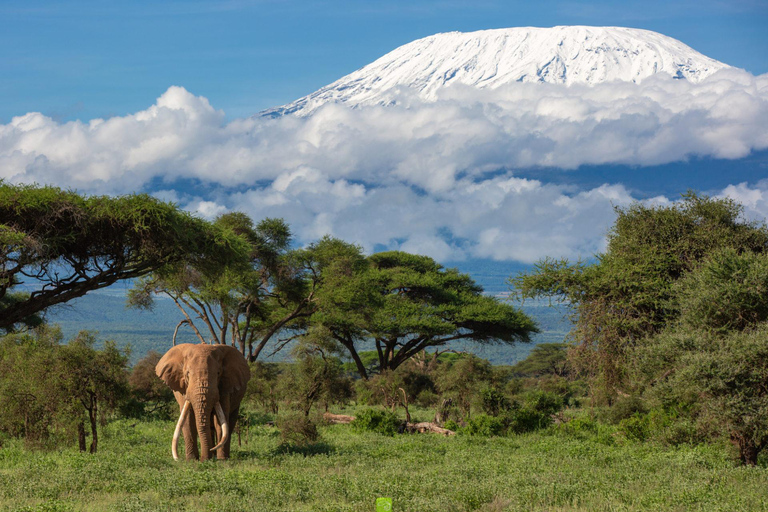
(494, 402)
(729, 292)
(266, 290)
(544, 359)
(50, 390)
(150, 396)
(314, 377)
(406, 303)
(462, 381)
(484, 425)
(379, 421)
(263, 387)
(624, 408)
(720, 381)
(627, 294)
(297, 430)
(67, 244)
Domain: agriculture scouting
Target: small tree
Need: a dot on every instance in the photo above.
(94, 381)
(545, 359)
(315, 377)
(463, 380)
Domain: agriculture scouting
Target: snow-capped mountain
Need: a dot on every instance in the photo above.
(491, 58)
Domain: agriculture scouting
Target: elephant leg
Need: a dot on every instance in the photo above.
(223, 452)
(189, 429)
(233, 416)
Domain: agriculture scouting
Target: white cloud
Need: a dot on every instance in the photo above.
(426, 177)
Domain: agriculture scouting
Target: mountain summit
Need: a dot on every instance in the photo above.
(491, 58)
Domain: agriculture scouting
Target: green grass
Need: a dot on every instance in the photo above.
(552, 471)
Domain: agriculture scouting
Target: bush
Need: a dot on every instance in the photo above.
(526, 419)
(493, 401)
(297, 430)
(544, 402)
(625, 408)
(381, 422)
(484, 425)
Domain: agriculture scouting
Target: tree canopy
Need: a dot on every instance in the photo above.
(405, 303)
(268, 289)
(56, 245)
(628, 293)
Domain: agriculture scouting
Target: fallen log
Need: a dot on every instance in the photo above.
(411, 428)
(338, 418)
(425, 426)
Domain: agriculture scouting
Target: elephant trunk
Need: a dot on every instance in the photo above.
(203, 408)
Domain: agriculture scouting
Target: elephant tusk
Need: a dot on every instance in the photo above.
(224, 427)
(182, 418)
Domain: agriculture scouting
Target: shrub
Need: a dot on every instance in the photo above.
(493, 401)
(451, 425)
(484, 425)
(544, 402)
(381, 422)
(526, 419)
(297, 430)
(625, 408)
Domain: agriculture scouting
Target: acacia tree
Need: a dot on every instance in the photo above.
(404, 304)
(627, 294)
(250, 300)
(714, 360)
(62, 245)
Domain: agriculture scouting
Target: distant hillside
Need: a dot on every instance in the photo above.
(104, 311)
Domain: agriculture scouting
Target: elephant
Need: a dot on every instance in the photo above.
(205, 379)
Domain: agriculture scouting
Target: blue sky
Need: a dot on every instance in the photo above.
(156, 96)
(86, 59)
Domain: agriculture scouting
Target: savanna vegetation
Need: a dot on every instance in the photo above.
(657, 401)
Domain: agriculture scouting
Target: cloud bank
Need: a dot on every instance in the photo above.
(435, 178)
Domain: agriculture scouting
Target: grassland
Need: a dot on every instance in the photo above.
(548, 470)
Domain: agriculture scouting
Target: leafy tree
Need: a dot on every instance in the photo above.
(463, 380)
(627, 293)
(729, 292)
(63, 245)
(713, 365)
(48, 388)
(405, 303)
(30, 405)
(93, 381)
(545, 359)
(147, 390)
(246, 303)
(263, 386)
(315, 377)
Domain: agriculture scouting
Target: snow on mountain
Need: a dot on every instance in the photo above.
(492, 58)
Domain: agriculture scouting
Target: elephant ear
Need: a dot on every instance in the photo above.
(170, 368)
(235, 372)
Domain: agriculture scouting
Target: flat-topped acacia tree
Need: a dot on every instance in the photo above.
(405, 303)
(58, 245)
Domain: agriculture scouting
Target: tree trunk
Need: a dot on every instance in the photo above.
(92, 415)
(748, 451)
(81, 436)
